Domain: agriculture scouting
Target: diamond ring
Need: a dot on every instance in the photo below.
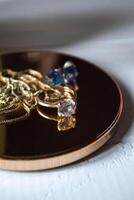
(63, 122)
(63, 80)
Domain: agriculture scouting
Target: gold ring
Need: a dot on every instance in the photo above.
(63, 123)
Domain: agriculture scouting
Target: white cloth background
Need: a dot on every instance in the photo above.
(101, 31)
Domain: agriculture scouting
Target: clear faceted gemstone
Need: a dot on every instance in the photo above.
(67, 107)
(66, 123)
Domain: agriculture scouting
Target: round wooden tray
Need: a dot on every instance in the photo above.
(35, 143)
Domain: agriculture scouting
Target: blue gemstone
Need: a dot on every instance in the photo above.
(70, 73)
(54, 78)
(70, 69)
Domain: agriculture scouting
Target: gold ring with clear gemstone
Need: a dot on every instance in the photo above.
(65, 102)
(65, 105)
(63, 122)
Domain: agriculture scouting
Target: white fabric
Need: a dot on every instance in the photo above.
(102, 32)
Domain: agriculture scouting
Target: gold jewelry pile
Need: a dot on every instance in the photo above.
(23, 91)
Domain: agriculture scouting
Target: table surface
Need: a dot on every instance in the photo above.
(103, 33)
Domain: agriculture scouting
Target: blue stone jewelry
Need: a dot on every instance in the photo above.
(54, 78)
(70, 74)
(66, 76)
